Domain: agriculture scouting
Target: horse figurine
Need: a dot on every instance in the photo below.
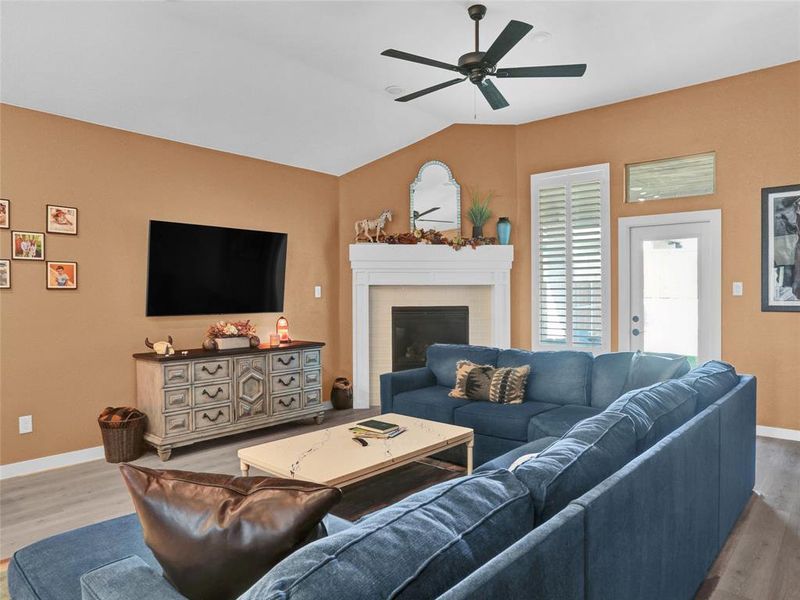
(364, 226)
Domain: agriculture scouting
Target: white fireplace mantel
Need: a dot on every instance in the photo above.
(424, 265)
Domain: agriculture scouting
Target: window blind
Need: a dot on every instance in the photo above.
(569, 254)
(671, 178)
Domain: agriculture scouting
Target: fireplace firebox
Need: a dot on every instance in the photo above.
(414, 328)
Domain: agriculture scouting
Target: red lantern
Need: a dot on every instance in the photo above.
(282, 328)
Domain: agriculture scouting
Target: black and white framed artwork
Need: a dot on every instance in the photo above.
(780, 248)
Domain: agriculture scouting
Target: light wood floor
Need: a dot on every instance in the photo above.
(760, 561)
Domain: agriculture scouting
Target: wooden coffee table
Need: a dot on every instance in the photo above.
(332, 457)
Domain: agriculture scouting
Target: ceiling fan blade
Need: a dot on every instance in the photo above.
(433, 88)
(551, 71)
(508, 38)
(492, 94)
(426, 212)
(419, 59)
(432, 221)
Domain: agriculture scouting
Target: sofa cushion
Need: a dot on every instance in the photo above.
(508, 421)
(560, 421)
(247, 524)
(506, 460)
(124, 579)
(433, 403)
(442, 359)
(417, 548)
(609, 375)
(557, 377)
(657, 410)
(648, 368)
(711, 381)
(588, 453)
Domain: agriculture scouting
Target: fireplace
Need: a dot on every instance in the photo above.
(414, 328)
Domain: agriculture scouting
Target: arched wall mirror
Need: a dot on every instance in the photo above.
(436, 199)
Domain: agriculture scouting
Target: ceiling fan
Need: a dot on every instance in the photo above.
(477, 66)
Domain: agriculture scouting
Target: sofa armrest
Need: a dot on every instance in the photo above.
(129, 578)
(403, 381)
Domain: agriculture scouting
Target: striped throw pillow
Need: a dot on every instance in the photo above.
(508, 384)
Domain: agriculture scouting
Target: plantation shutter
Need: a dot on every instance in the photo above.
(570, 216)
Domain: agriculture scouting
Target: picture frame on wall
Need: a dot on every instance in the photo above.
(62, 275)
(5, 213)
(5, 274)
(780, 249)
(27, 245)
(62, 219)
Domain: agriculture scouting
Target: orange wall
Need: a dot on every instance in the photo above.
(67, 354)
(752, 121)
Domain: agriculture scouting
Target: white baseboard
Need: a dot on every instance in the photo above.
(778, 432)
(45, 463)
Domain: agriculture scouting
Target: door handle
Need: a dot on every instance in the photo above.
(635, 318)
(215, 419)
(216, 368)
(286, 404)
(285, 362)
(635, 332)
(282, 382)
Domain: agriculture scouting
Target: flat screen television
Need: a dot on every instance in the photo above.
(203, 270)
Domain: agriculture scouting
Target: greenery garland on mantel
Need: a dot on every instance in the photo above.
(422, 236)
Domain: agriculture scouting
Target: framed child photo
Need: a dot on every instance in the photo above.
(5, 274)
(5, 213)
(27, 245)
(62, 219)
(780, 248)
(62, 275)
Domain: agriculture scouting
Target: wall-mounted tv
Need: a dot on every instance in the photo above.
(203, 270)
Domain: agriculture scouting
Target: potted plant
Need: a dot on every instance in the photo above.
(479, 212)
(226, 336)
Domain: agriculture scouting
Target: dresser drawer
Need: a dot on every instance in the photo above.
(176, 398)
(212, 393)
(286, 403)
(312, 378)
(284, 382)
(176, 374)
(284, 361)
(311, 359)
(312, 397)
(177, 423)
(212, 417)
(209, 370)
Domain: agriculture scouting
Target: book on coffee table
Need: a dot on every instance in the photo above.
(377, 426)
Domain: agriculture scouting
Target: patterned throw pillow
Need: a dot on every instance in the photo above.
(472, 381)
(508, 385)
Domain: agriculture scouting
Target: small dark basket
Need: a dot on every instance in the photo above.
(123, 440)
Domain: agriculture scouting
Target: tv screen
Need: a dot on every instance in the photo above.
(202, 270)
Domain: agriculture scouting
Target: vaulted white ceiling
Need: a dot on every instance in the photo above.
(302, 83)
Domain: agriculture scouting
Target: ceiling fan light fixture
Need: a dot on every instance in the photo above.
(541, 36)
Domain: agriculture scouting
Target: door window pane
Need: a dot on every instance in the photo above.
(671, 298)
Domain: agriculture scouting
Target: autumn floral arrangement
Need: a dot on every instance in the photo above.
(430, 236)
(224, 335)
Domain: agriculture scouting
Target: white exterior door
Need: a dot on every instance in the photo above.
(670, 284)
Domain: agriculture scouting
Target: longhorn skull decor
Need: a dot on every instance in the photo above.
(162, 348)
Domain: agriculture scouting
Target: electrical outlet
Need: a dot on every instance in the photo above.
(317, 291)
(26, 424)
(738, 288)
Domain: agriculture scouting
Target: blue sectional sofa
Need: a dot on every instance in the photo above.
(634, 501)
(563, 388)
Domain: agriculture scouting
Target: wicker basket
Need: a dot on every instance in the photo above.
(123, 433)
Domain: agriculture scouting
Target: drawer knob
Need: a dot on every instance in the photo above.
(282, 402)
(285, 362)
(217, 367)
(215, 394)
(220, 412)
(282, 382)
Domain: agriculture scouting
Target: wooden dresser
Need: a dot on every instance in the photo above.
(202, 395)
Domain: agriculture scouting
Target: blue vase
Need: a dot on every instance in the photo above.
(503, 230)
